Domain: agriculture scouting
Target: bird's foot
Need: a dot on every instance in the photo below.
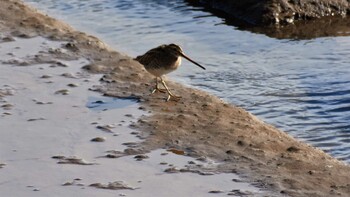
(175, 98)
(158, 90)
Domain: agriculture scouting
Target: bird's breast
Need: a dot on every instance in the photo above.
(177, 63)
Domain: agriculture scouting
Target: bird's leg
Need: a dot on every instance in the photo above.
(156, 88)
(171, 95)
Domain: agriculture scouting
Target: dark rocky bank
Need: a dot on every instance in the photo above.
(267, 12)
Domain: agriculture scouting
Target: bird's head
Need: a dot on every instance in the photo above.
(174, 49)
(177, 51)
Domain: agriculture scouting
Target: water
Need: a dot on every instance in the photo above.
(300, 86)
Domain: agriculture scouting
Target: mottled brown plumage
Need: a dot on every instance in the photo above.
(163, 60)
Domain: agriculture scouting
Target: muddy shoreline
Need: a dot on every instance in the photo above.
(200, 125)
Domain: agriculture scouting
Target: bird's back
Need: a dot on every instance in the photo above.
(158, 57)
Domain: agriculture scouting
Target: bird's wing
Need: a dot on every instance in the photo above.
(150, 56)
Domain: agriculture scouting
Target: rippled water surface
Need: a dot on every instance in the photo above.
(301, 86)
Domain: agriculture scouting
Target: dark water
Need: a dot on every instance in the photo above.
(301, 86)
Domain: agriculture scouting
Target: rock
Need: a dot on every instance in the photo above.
(63, 92)
(269, 12)
(72, 85)
(114, 154)
(7, 106)
(98, 139)
(46, 76)
(106, 128)
(216, 191)
(141, 157)
(117, 185)
(71, 160)
(68, 75)
(172, 170)
(35, 119)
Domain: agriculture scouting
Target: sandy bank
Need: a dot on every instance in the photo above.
(201, 125)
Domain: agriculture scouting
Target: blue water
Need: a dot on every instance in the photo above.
(103, 103)
(300, 86)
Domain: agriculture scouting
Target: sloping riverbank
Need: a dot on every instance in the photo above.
(200, 125)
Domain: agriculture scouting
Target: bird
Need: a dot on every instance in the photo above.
(162, 60)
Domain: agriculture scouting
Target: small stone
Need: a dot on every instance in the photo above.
(73, 85)
(35, 119)
(131, 144)
(106, 128)
(229, 152)
(172, 170)
(67, 183)
(293, 149)
(206, 173)
(98, 139)
(133, 151)
(216, 191)
(8, 39)
(68, 75)
(7, 106)
(240, 143)
(46, 76)
(117, 185)
(141, 157)
(63, 92)
(311, 172)
(61, 64)
(71, 160)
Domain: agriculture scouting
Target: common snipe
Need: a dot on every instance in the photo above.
(163, 60)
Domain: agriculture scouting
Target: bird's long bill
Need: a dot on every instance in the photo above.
(189, 59)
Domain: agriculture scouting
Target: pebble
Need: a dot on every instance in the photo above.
(116, 185)
(114, 154)
(216, 191)
(46, 76)
(141, 157)
(8, 39)
(133, 151)
(68, 75)
(7, 106)
(63, 92)
(238, 192)
(176, 151)
(172, 170)
(71, 160)
(106, 128)
(131, 144)
(98, 139)
(35, 119)
(73, 85)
